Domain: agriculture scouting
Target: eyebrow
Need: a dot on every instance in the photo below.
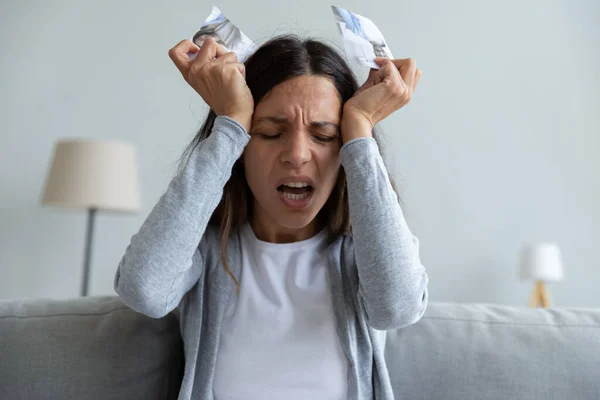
(283, 120)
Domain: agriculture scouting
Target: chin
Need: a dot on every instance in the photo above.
(288, 217)
(297, 221)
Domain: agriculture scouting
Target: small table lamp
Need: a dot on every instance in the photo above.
(93, 175)
(541, 262)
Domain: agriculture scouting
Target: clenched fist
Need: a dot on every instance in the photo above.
(385, 91)
(218, 78)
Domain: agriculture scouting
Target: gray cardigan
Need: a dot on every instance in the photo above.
(174, 264)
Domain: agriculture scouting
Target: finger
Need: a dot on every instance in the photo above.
(180, 54)
(228, 68)
(406, 66)
(230, 57)
(417, 77)
(210, 50)
(242, 68)
(388, 71)
(408, 71)
(398, 62)
(381, 61)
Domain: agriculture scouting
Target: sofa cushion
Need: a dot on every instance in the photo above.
(482, 351)
(87, 348)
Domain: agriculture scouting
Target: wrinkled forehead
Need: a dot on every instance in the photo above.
(310, 97)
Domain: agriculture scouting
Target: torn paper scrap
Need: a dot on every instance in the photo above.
(363, 41)
(226, 34)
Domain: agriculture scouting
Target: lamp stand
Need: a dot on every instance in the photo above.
(89, 235)
(540, 296)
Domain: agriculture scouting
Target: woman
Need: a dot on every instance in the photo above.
(251, 243)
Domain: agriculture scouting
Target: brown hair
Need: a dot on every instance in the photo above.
(278, 60)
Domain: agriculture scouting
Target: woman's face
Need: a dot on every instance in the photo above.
(292, 159)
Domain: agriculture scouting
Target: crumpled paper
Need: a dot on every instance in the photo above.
(226, 34)
(362, 40)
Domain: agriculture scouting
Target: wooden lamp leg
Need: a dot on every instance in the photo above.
(533, 303)
(540, 296)
(544, 296)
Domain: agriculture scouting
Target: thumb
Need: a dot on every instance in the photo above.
(388, 71)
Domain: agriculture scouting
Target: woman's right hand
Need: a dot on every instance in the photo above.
(218, 77)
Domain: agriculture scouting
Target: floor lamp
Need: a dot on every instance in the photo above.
(541, 263)
(95, 175)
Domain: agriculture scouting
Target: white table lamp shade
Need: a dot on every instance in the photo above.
(541, 262)
(97, 174)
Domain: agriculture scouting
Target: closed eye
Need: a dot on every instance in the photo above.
(326, 139)
(319, 138)
(270, 136)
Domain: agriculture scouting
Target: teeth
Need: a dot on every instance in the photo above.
(296, 184)
(292, 196)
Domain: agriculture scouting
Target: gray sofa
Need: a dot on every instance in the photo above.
(97, 348)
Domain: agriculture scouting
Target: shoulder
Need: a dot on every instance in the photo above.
(211, 239)
(342, 247)
(210, 243)
(211, 236)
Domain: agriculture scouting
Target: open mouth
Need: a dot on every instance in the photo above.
(295, 190)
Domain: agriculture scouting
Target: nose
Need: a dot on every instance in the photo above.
(297, 149)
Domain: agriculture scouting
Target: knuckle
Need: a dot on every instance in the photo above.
(221, 71)
(198, 69)
(396, 89)
(230, 68)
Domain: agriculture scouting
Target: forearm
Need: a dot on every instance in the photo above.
(393, 283)
(162, 261)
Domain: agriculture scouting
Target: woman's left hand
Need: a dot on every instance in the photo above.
(385, 91)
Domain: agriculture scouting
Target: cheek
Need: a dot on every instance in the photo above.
(255, 165)
(249, 158)
(329, 163)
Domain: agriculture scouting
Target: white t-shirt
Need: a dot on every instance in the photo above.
(278, 337)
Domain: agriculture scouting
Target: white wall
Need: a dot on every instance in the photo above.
(497, 148)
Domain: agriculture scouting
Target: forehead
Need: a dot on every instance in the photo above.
(313, 96)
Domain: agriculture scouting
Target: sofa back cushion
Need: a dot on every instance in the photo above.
(482, 351)
(87, 348)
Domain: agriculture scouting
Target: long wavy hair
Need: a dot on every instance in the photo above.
(280, 59)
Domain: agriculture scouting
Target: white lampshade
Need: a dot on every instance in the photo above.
(93, 174)
(541, 262)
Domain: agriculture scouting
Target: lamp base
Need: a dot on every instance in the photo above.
(89, 237)
(540, 296)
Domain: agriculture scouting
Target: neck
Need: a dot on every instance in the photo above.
(269, 231)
